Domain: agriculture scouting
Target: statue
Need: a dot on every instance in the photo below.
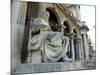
(52, 46)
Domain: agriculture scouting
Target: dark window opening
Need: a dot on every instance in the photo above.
(66, 30)
(53, 22)
(75, 33)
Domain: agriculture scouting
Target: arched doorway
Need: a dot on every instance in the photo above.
(67, 30)
(54, 20)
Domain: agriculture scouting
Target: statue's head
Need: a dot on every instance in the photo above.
(44, 15)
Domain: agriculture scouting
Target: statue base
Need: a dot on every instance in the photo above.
(49, 67)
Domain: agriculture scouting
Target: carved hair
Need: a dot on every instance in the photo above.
(44, 13)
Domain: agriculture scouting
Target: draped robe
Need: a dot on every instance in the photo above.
(53, 45)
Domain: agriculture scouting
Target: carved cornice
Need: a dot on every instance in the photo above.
(77, 39)
(71, 35)
(68, 15)
(85, 27)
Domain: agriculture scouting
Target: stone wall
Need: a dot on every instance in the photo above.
(18, 21)
(17, 29)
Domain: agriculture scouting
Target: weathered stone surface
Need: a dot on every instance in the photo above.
(52, 45)
(23, 68)
(36, 68)
(51, 67)
(18, 16)
(48, 52)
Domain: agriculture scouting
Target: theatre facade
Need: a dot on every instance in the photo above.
(49, 37)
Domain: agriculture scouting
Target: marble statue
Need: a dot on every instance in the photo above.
(52, 46)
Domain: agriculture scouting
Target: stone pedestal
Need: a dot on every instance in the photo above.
(46, 67)
(50, 67)
(34, 57)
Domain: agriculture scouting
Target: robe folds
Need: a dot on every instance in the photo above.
(53, 45)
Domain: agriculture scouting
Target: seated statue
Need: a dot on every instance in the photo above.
(50, 46)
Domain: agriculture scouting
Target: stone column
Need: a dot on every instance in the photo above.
(78, 48)
(71, 35)
(84, 30)
(86, 47)
(81, 48)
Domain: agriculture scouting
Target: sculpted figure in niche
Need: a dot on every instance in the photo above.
(52, 46)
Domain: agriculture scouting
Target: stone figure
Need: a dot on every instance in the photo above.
(46, 46)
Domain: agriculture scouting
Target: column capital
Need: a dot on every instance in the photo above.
(71, 35)
(78, 39)
(84, 26)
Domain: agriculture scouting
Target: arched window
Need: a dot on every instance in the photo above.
(75, 36)
(53, 21)
(67, 28)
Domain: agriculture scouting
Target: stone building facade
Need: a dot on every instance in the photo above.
(64, 18)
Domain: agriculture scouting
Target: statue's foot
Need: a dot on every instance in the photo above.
(65, 58)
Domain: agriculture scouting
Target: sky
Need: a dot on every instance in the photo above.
(88, 15)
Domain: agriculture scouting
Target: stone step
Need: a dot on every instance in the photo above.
(47, 67)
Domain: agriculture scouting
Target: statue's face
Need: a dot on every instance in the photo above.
(46, 18)
(45, 15)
